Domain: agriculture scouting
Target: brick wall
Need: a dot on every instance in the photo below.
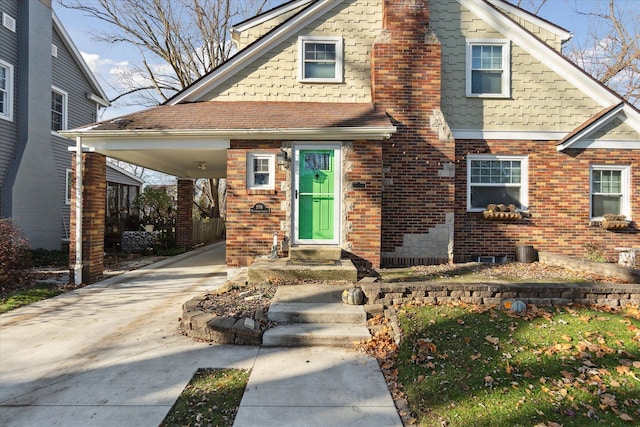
(558, 202)
(363, 202)
(93, 216)
(250, 235)
(418, 190)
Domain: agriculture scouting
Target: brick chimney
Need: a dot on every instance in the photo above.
(418, 173)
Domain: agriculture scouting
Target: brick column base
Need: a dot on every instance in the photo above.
(184, 220)
(94, 185)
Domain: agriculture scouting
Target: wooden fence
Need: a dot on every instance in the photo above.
(208, 230)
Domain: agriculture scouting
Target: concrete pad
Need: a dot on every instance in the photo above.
(316, 386)
(110, 354)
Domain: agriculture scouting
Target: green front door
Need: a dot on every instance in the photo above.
(316, 195)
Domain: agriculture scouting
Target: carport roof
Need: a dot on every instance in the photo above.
(250, 115)
(179, 139)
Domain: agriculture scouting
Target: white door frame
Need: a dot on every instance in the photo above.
(337, 213)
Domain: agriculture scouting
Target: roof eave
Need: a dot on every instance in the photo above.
(334, 133)
(588, 130)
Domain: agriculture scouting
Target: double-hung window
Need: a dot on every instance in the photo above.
(609, 191)
(58, 109)
(488, 68)
(320, 59)
(261, 171)
(6, 91)
(496, 179)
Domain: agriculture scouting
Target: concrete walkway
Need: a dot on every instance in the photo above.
(110, 355)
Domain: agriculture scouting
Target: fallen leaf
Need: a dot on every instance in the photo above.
(626, 417)
(492, 340)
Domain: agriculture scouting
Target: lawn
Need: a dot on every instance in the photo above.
(28, 295)
(211, 398)
(463, 365)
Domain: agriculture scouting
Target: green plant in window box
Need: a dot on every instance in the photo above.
(614, 222)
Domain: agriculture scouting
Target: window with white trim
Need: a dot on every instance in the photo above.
(610, 191)
(488, 69)
(6, 91)
(67, 187)
(320, 59)
(58, 109)
(496, 179)
(261, 171)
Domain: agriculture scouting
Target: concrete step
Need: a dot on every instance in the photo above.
(309, 334)
(283, 269)
(317, 313)
(315, 253)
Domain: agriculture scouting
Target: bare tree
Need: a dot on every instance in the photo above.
(532, 6)
(179, 40)
(612, 51)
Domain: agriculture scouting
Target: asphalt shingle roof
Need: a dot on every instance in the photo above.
(249, 116)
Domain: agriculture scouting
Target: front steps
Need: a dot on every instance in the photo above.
(314, 315)
(305, 263)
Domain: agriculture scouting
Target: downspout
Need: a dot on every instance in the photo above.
(77, 269)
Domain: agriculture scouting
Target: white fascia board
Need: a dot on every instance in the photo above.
(66, 39)
(247, 55)
(522, 135)
(604, 144)
(563, 34)
(217, 138)
(589, 130)
(98, 99)
(542, 52)
(267, 16)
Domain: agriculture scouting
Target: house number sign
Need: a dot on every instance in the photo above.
(260, 208)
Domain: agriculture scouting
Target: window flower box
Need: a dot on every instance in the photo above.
(501, 212)
(614, 222)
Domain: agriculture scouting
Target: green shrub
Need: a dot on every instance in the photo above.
(14, 256)
(49, 258)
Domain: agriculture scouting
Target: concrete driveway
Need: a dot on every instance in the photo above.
(109, 354)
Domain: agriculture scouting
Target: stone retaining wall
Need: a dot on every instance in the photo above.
(388, 294)
(606, 269)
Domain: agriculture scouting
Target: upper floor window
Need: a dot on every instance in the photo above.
(58, 109)
(609, 191)
(320, 59)
(496, 179)
(488, 68)
(261, 171)
(6, 91)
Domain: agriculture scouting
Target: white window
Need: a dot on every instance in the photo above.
(320, 59)
(6, 91)
(54, 50)
(261, 171)
(67, 187)
(488, 68)
(496, 179)
(610, 191)
(58, 109)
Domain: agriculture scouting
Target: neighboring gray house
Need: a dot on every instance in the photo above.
(45, 87)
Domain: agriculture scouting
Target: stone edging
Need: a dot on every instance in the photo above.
(389, 294)
(202, 325)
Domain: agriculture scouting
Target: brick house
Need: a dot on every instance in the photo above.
(386, 128)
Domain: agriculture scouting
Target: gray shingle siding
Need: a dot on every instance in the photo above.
(8, 54)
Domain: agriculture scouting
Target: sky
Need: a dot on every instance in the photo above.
(106, 60)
